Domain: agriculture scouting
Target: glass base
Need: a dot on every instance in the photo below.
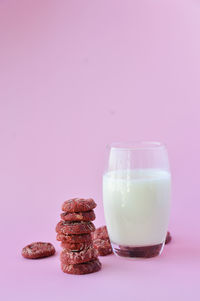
(138, 252)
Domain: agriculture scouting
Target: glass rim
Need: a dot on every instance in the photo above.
(137, 145)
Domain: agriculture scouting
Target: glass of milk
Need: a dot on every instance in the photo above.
(136, 198)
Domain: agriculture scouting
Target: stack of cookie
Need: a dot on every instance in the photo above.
(74, 231)
(101, 241)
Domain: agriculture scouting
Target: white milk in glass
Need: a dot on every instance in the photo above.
(137, 205)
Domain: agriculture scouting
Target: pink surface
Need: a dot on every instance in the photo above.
(74, 76)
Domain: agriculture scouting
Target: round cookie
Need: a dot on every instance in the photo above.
(82, 268)
(38, 250)
(65, 227)
(78, 216)
(101, 233)
(103, 247)
(75, 247)
(78, 205)
(168, 238)
(74, 239)
(85, 255)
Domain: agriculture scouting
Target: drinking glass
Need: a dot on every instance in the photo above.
(136, 198)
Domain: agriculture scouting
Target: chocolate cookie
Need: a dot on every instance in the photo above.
(85, 255)
(78, 216)
(168, 238)
(65, 227)
(103, 247)
(82, 268)
(78, 205)
(74, 239)
(101, 233)
(38, 250)
(75, 247)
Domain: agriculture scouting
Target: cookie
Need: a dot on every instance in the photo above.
(168, 238)
(74, 239)
(38, 250)
(78, 205)
(101, 233)
(81, 268)
(75, 247)
(85, 255)
(103, 247)
(65, 227)
(78, 216)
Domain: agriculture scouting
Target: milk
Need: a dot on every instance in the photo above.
(137, 205)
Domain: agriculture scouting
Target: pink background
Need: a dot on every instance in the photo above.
(74, 76)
